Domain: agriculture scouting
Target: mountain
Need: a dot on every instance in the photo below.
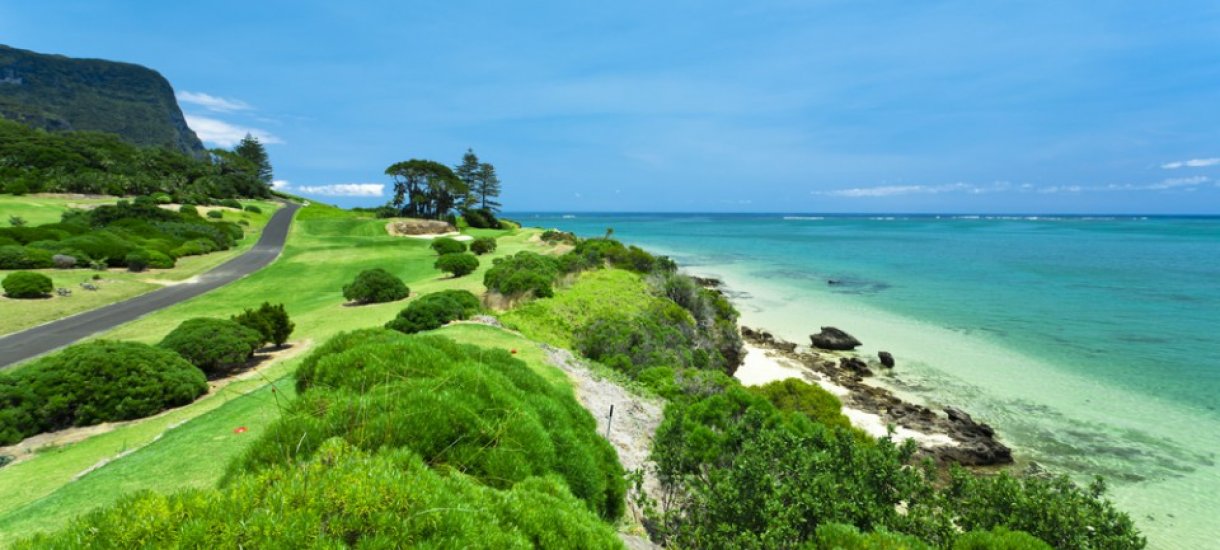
(60, 93)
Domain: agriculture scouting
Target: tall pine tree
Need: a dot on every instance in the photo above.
(253, 151)
(487, 187)
(468, 172)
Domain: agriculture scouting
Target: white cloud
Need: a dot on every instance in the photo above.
(219, 132)
(342, 189)
(281, 185)
(1179, 182)
(895, 190)
(213, 103)
(1192, 163)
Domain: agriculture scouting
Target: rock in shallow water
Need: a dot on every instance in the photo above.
(832, 338)
(887, 359)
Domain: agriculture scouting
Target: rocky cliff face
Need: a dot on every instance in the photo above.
(60, 93)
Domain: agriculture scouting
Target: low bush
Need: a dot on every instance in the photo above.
(24, 257)
(137, 261)
(374, 286)
(27, 284)
(344, 498)
(91, 383)
(271, 321)
(231, 203)
(483, 245)
(215, 214)
(188, 209)
(477, 411)
(481, 218)
(159, 260)
(445, 245)
(253, 209)
(432, 311)
(216, 346)
(795, 396)
(555, 236)
(523, 273)
(63, 261)
(457, 264)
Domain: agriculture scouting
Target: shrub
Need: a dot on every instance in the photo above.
(271, 321)
(432, 311)
(16, 221)
(793, 395)
(445, 245)
(374, 286)
(24, 257)
(159, 260)
(162, 198)
(215, 214)
(481, 218)
(188, 209)
(457, 264)
(86, 384)
(344, 498)
(253, 209)
(473, 410)
(63, 261)
(554, 236)
(483, 245)
(231, 203)
(137, 261)
(216, 346)
(521, 273)
(27, 284)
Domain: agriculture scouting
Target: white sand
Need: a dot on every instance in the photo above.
(429, 236)
(761, 367)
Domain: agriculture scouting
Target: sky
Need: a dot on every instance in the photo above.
(707, 106)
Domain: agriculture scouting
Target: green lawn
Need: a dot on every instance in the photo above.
(325, 250)
(37, 210)
(593, 295)
(116, 284)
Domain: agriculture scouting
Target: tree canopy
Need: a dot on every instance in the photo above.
(424, 188)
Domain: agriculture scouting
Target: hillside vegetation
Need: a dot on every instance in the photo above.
(57, 93)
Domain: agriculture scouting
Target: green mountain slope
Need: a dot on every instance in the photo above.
(60, 93)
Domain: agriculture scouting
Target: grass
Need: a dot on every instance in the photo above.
(527, 350)
(116, 284)
(326, 248)
(594, 294)
(37, 210)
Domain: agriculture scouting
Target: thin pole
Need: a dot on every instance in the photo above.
(609, 419)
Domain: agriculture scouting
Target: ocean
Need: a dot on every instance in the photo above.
(1091, 343)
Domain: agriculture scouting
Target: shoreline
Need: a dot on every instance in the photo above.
(951, 436)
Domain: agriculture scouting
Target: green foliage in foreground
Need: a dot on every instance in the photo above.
(458, 265)
(344, 497)
(374, 286)
(26, 284)
(524, 273)
(795, 396)
(432, 311)
(216, 346)
(751, 476)
(92, 383)
(462, 408)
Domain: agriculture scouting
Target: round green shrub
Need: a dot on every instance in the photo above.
(253, 209)
(521, 273)
(25, 257)
(446, 245)
(100, 381)
(271, 321)
(457, 264)
(27, 284)
(159, 260)
(793, 395)
(479, 411)
(483, 245)
(231, 203)
(215, 214)
(137, 261)
(162, 198)
(189, 209)
(216, 346)
(374, 286)
(433, 311)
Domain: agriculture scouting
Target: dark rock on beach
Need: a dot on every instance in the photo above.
(832, 338)
(886, 358)
(707, 282)
(855, 366)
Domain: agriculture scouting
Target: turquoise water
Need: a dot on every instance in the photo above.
(1091, 343)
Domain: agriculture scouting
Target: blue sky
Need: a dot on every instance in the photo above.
(833, 106)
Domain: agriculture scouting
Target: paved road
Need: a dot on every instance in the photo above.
(29, 343)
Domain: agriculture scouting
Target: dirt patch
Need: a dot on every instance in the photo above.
(632, 427)
(32, 445)
(419, 228)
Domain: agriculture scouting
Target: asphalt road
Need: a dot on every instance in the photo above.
(30, 343)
